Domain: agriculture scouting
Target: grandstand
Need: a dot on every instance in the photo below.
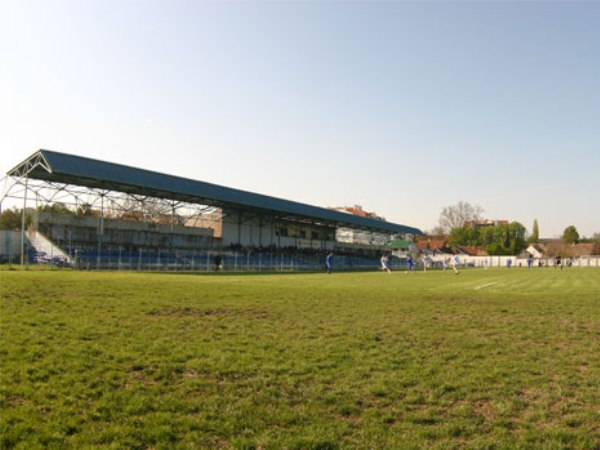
(98, 214)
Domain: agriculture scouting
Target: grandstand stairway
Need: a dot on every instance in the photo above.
(43, 245)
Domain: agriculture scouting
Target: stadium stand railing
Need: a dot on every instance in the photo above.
(233, 259)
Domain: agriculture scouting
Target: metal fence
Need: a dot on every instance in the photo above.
(206, 261)
(513, 261)
(243, 261)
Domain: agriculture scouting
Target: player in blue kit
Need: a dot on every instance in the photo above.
(329, 262)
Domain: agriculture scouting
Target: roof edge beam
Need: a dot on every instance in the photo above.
(26, 167)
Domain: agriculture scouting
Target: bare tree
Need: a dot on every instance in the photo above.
(456, 216)
(436, 231)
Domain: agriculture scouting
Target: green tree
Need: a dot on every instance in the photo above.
(486, 235)
(464, 236)
(535, 234)
(85, 210)
(494, 249)
(504, 239)
(516, 236)
(570, 235)
(500, 239)
(56, 207)
(10, 219)
(457, 236)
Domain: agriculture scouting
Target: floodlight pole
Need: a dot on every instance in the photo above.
(23, 222)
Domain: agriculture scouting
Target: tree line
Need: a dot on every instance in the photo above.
(496, 239)
(10, 219)
(500, 239)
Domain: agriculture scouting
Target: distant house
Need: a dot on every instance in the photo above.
(357, 210)
(402, 248)
(550, 249)
(472, 250)
(484, 223)
(434, 245)
(578, 250)
(535, 250)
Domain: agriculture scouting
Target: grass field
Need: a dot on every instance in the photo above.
(487, 359)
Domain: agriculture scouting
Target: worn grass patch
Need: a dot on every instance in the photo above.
(354, 360)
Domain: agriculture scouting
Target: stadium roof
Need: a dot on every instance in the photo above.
(64, 168)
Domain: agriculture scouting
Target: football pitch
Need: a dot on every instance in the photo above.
(499, 358)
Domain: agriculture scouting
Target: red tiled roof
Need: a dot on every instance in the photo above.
(432, 243)
(356, 212)
(473, 250)
(555, 248)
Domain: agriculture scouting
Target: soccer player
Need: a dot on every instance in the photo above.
(384, 263)
(425, 263)
(456, 264)
(329, 262)
(410, 263)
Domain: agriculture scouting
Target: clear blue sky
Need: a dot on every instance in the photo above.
(402, 107)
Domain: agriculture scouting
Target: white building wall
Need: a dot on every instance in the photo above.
(253, 233)
(351, 236)
(249, 233)
(10, 244)
(502, 261)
